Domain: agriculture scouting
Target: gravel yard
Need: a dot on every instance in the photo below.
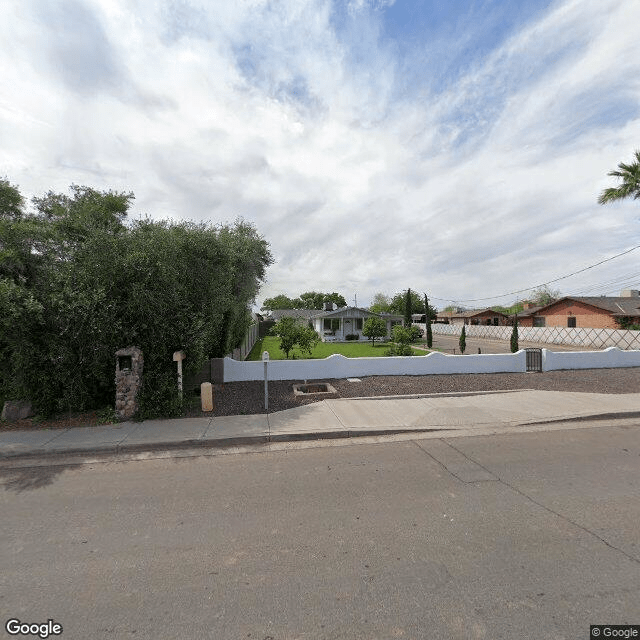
(241, 398)
(248, 397)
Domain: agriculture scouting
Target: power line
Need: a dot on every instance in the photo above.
(544, 284)
(630, 280)
(618, 281)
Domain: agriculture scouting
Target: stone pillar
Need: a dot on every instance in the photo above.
(129, 364)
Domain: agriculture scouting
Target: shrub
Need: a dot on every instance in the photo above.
(399, 350)
(352, 336)
(374, 328)
(402, 336)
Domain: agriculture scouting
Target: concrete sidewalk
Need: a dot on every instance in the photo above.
(337, 418)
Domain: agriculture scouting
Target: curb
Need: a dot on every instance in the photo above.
(236, 441)
(449, 394)
(621, 415)
(218, 443)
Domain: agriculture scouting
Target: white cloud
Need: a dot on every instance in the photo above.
(264, 110)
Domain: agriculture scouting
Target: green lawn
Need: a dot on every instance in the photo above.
(360, 349)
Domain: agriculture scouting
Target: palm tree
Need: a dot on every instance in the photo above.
(630, 187)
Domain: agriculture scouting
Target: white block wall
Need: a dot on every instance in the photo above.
(338, 366)
(609, 358)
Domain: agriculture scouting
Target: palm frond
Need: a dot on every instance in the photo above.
(630, 186)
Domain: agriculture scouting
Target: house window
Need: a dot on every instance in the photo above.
(358, 324)
(571, 321)
(538, 321)
(496, 322)
(331, 324)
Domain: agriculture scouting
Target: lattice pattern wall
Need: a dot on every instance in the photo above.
(596, 338)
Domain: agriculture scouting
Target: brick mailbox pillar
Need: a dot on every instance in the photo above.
(129, 363)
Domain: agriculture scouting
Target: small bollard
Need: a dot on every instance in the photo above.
(206, 396)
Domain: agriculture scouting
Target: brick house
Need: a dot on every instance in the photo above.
(589, 312)
(525, 317)
(475, 316)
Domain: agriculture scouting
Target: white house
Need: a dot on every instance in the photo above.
(335, 325)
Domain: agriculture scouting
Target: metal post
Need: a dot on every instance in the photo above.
(265, 358)
(178, 357)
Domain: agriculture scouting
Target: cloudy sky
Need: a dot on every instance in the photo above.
(454, 147)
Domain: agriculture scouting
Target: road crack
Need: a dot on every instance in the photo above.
(545, 507)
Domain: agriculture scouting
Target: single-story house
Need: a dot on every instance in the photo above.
(335, 325)
(599, 312)
(526, 316)
(475, 316)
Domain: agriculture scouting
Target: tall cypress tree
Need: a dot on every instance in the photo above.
(514, 336)
(407, 309)
(463, 340)
(428, 322)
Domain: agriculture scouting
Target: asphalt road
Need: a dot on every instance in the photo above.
(530, 535)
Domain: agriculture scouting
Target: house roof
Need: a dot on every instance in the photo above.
(346, 310)
(616, 305)
(470, 314)
(526, 312)
(304, 314)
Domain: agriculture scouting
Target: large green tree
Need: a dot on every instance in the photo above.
(315, 299)
(281, 302)
(398, 303)
(544, 295)
(307, 300)
(629, 187)
(11, 201)
(381, 303)
(87, 283)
